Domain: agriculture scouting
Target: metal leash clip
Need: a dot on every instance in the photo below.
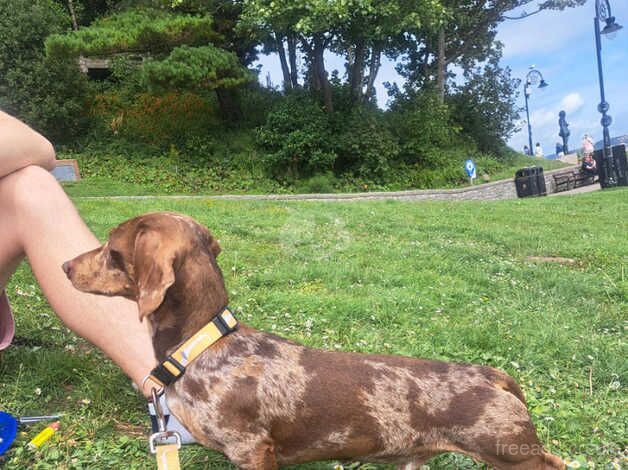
(162, 436)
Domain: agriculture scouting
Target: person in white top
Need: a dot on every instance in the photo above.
(587, 145)
(538, 150)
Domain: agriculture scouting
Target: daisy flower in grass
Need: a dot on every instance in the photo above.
(572, 463)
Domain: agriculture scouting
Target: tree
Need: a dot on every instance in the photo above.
(463, 38)
(546, 5)
(178, 48)
(360, 30)
(139, 30)
(226, 15)
(199, 68)
(485, 105)
(48, 94)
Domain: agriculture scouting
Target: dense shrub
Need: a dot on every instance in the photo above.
(365, 146)
(424, 129)
(53, 96)
(120, 164)
(160, 120)
(49, 94)
(324, 183)
(256, 101)
(296, 138)
(485, 105)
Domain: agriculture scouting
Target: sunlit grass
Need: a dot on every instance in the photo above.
(454, 281)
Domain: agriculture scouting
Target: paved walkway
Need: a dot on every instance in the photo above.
(583, 189)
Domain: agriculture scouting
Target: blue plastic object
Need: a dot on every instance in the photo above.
(8, 431)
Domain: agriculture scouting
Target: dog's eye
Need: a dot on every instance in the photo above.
(116, 259)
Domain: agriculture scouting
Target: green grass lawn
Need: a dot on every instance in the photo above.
(523, 161)
(454, 281)
(115, 176)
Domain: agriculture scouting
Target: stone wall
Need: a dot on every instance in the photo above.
(503, 189)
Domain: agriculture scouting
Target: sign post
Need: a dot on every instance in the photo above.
(469, 166)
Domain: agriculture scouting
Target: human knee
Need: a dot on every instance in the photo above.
(29, 190)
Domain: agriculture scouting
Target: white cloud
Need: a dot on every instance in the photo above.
(543, 117)
(572, 102)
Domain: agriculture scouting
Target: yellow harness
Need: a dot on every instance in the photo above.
(174, 366)
(160, 443)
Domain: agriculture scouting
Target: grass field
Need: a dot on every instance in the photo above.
(113, 175)
(455, 281)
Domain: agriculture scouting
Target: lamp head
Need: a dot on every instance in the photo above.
(611, 27)
(543, 84)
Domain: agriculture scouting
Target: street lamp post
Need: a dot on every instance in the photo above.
(532, 78)
(603, 13)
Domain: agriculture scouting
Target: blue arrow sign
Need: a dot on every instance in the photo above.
(470, 167)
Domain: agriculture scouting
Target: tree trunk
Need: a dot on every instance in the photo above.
(321, 73)
(287, 82)
(357, 71)
(73, 15)
(442, 65)
(292, 58)
(374, 65)
(312, 76)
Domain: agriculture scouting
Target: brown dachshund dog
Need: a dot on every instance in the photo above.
(266, 402)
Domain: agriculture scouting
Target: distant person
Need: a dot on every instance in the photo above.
(560, 154)
(587, 145)
(589, 166)
(526, 150)
(538, 150)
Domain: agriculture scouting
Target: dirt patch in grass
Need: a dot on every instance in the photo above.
(551, 259)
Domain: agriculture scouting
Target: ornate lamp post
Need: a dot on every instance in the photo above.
(603, 13)
(533, 77)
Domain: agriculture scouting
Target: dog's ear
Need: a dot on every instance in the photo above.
(209, 241)
(214, 246)
(154, 271)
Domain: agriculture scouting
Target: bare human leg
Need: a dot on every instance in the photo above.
(37, 220)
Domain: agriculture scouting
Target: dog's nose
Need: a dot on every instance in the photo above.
(67, 268)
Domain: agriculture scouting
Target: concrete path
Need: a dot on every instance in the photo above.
(583, 189)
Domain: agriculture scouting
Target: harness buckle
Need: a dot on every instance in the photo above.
(162, 437)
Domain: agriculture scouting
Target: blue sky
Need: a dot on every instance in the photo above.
(562, 46)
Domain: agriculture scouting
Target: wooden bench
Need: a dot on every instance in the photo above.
(570, 179)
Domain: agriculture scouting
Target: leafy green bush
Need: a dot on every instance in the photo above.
(365, 146)
(49, 94)
(124, 166)
(52, 96)
(24, 25)
(297, 138)
(256, 101)
(485, 105)
(159, 120)
(424, 129)
(318, 184)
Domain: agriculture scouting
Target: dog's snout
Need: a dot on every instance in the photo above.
(67, 268)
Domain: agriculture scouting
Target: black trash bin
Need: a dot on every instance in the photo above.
(530, 182)
(620, 164)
